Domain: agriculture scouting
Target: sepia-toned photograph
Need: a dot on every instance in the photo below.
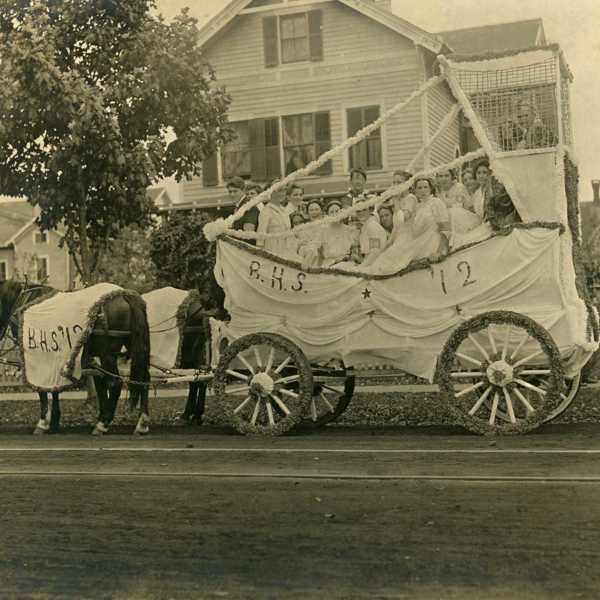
(299, 299)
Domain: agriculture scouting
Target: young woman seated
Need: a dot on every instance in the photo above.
(427, 236)
(404, 204)
(337, 238)
(457, 200)
(309, 240)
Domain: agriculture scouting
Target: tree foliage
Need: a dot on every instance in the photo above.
(98, 100)
(182, 256)
(127, 261)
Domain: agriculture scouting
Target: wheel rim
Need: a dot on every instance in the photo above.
(502, 374)
(330, 398)
(264, 384)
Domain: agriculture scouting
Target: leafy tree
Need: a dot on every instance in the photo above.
(98, 100)
(182, 256)
(127, 261)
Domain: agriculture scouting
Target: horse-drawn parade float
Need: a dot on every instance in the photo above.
(501, 319)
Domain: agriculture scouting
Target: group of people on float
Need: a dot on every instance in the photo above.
(423, 222)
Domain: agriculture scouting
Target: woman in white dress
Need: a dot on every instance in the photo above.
(428, 234)
(274, 218)
(337, 238)
(457, 200)
(309, 240)
(484, 181)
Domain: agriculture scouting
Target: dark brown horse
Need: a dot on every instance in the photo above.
(124, 324)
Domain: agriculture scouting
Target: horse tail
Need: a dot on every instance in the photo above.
(139, 340)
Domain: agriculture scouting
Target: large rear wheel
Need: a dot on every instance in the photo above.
(501, 372)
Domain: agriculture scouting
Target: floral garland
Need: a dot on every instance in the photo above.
(215, 228)
(415, 265)
(305, 381)
(535, 331)
(364, 204)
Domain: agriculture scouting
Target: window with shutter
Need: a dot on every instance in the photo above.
(305, 138)
(271, 43)
(367, 153)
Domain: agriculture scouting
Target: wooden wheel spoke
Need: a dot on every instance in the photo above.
(468, 358)
(326, 402)
(286, 380)
(270, 413)
(527, 359)
(288, 393)
(506, 339)
(509, 406)
(494, 409)
(313, 409)
(530, 386)
(246, 363)
(237, 375)
(283, 365)
(238, 390)
(492, 340)
(270, 360)
(530, 410)
(479, 347)
(520, 345)
(257, 356)
(461, 374)
(239, 407)
(255, 413)
(470, 389)
(536, 372)
(331, 389)
(280, 403)
(481, 400)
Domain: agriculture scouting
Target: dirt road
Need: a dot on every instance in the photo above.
(348, 513)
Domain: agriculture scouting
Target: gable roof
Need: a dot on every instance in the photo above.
(496, 38)
(366, 7)
(14, 216)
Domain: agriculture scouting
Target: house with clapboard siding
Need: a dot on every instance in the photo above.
(305, 75)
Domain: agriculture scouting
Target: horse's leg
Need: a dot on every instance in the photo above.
(200, 401)
(115, 385)
(143, 424)
(55, 413)
(43, 425)
(104, 419)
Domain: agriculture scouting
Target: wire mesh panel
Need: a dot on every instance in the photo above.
(517, 105)
(566, 110)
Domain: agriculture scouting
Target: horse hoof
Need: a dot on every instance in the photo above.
(99, 429)
(180, 421)
(39, 431)
(141, 431)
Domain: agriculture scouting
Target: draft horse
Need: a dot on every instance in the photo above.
(123, 324)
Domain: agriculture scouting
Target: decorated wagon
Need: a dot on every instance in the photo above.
(503, 324)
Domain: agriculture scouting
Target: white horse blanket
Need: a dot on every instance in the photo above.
(52, 334)
(167, 309)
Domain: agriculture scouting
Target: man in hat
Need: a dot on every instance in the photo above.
(236, 187)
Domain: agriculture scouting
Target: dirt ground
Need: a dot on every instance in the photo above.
(353, 513)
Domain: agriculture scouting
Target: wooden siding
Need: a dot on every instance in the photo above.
(440, 102)
(364, 64)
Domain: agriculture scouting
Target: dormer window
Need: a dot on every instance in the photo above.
(293, 38)
(40, 237)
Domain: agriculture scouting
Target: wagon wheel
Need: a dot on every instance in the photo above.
(501, 373)
(330, 398)
(264, 384)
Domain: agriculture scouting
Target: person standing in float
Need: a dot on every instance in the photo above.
(274, 218)
(295, 204)
(357, 191)
(236, 187)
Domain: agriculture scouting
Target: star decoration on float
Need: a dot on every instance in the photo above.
(366, 293)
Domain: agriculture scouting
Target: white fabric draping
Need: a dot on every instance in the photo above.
(400, 320)
(162, 306)
(52, 331)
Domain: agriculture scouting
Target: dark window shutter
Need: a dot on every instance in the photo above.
(355, 122)
(210, 171)
(315, 34)
(270, 41)
(258, 159)
(323, 140)
(273, 161)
